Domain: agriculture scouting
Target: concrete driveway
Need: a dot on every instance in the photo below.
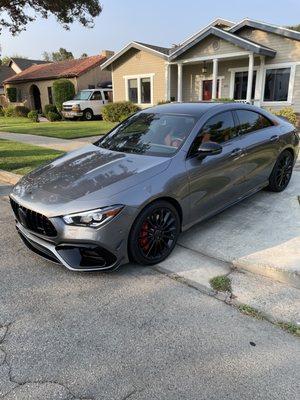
(133, 334)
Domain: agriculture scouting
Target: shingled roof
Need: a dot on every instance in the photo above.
(24, 63)
(63, 69)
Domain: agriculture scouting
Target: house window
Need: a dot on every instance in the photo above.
(19, 95)
(240, 85)
(277, 84)
(133, 90)
(50, 97)
(146, 90)
(139, 88)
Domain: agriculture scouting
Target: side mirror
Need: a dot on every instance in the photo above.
(209, 149)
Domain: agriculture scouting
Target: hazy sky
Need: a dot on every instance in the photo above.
(162, 22)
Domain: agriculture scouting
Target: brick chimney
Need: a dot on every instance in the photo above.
(107, 53)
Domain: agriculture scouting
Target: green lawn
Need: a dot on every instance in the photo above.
(22, 158)
(61, 129)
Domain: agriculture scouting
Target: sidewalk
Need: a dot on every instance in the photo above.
(49, 142)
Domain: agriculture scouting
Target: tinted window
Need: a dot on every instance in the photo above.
(133, 90)
(277, 84)
(219, 129)
(250, 121)
(146, 90)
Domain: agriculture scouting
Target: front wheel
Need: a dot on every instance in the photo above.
(154, 233)
(282, 172)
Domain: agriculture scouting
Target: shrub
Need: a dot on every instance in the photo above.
(63, 90)
(50, 107)
(287, 113)
(33, 116)
(20, 111)
(9, 111)
(12, 94)
(1, 112)
(117, 112)
(53, 116)
(160, 103)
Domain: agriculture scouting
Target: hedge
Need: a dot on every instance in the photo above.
(12, 94)
(20, 111)
(48, 108)
(288, 113)
(53, 116)
(117, 112)
(63, 90)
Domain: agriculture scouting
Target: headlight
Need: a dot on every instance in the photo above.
(93, 218)
(76, 107)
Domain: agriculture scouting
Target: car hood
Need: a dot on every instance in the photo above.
(87, 177)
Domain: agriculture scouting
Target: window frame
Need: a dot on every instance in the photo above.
(289, 100)
(193, 155)
(254, 83)
(139, 78)
(237, 121)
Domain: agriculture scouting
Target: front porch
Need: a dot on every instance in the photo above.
(240, 77)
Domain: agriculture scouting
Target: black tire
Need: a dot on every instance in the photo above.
(88, 115)
(282, 172)
(154, 233)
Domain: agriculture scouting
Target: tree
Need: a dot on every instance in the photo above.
(294, 28)
(16, 14)
(63, 90)
(84, 55)
(60, 55)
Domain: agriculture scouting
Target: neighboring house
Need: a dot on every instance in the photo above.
(13, 67)
(248, 61)
(34, 84)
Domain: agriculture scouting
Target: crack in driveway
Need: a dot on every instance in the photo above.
(15, 384)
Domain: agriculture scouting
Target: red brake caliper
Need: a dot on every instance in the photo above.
(144, 242)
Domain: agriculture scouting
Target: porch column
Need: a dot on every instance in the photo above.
(179, 89)
(167, 82)
(215, 79)
(259, 92)
(250, 78)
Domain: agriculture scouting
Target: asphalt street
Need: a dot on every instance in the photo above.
(132, 334)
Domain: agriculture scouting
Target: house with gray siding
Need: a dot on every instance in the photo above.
(248, 61)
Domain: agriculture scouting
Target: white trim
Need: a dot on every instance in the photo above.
(289, 100)
(139, 77)
(210, 78)
(224, 56)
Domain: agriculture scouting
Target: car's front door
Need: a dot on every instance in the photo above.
(97, 102)
(259, 137)
(215, 179)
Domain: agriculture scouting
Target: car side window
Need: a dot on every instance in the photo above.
(219, 129)
(96, 96)
(250, 121)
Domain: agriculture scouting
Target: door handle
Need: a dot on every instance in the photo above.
(274, 138)
(237, 152)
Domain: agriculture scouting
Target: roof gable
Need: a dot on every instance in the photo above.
(227, 36)
(24, 63)
(288, 33)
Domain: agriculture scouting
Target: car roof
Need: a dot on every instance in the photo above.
(197, 109)
(92, 90)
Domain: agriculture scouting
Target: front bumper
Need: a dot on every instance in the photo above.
(79, 248)
(72, 114)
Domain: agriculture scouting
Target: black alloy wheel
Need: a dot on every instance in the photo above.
(154, 233)
(282, 172)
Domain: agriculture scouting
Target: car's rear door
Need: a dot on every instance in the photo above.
(215, 180)
(260, 139)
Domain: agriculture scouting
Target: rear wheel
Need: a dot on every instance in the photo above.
(154, 233)
(88, 115)
(282, 172)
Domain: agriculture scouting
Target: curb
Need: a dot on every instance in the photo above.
(9, 177)
(291, 278)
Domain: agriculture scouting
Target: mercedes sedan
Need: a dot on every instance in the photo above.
(128, 196)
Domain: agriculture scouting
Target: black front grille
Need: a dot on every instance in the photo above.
(32, 220)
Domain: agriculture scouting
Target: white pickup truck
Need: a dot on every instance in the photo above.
(87, 104)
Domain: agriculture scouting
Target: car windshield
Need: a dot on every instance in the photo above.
(150, 134)
(83, 95)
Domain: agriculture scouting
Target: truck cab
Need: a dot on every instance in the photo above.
(87, 103)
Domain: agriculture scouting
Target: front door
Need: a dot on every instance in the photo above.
(207, 89)
(215, 180)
